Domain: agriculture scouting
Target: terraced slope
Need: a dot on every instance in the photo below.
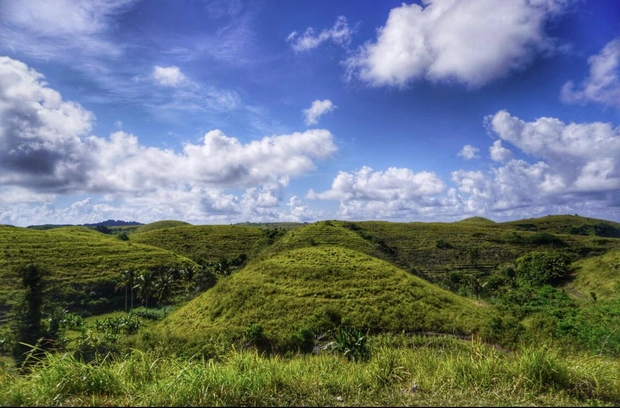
(433, 249)
(207, 243)
(78, 257)
(301, 288)
(568, 224)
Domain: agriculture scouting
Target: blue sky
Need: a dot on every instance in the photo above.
(214, 111)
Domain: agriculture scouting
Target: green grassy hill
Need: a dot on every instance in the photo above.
(476, 220)
(306, 287)
(160, 224)
(600, 275)
(432, 250)
(323, 233)
(568, 224)
(82, 260)
(208, 242)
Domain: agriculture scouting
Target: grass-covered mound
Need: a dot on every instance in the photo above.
(599, 275)
(83, 262)
(314, 287)
(208, 243)
(160, 224)
(324, 233)
(476, 220)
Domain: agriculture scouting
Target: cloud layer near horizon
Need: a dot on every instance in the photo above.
(46, 148)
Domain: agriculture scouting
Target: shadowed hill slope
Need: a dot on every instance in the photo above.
(302, 288)
(432, 250)
(79, 258)
(567, 224)
(209, 243)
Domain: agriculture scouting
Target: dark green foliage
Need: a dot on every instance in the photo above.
(538, 268)
(301, 340)
(254, 336)
(544, 238)
(123, 236)
(103, 229)
(351, 341)
(27, 325)
(442, 244)
(506, 330)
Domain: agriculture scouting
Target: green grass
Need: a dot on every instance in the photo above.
(418, 372)
(306, 287)
(81, 260)
(476, 220)
(568, 224)
(600, 275)
(471, 247)
(207, 242)
(159, 225)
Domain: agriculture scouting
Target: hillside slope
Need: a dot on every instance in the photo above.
(207, 243)
(81, 260)
(600, 275)
(304, 288)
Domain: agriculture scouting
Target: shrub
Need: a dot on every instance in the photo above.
(538, 268)
(352, 342)
(442, 244)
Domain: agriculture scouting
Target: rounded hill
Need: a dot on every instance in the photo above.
(476, 220)
(159, 225)
(308, 287)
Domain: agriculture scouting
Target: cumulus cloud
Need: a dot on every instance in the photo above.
(603, 83)
(340, 34)
(383, 194)
(574, 166)
(45, 147)
(168, 76)
(472, 42)
(469, 152)
(318, 109)
(499, 153)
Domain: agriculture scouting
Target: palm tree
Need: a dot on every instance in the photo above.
(127, 282)
(144, 285)
(163, 284)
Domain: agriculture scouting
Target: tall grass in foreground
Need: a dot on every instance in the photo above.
(415, 372)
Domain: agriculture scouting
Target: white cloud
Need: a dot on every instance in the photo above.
(578, 167)
(169, 76)
(473, 42)
(316, 110)
(603, 83)
(45, 148)
(499, 153)
(340, 34)
(387, 194)
(59, 28)
(469, 152)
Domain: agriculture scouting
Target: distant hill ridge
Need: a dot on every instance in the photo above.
(107, 223)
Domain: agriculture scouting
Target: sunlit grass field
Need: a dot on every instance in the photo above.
(404, 371)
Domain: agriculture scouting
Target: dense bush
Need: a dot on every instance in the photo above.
(538, 268)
